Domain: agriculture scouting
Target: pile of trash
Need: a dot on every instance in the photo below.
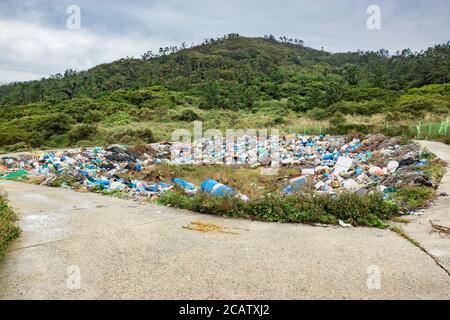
(328, 164)
(360, 165)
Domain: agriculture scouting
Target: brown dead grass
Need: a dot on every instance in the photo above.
(209, 227)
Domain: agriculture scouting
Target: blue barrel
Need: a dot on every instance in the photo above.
(216, 189)
(184, 184)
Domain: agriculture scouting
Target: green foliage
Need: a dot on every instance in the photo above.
(337, 120)
(8, 231)
(187, 116)
(418, 105)
(81, 132)
(369, 210)
(246, 75)
(412, 198)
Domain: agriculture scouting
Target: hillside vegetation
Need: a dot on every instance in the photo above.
(233, 82)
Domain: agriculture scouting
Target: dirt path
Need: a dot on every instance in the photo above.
(86, 246)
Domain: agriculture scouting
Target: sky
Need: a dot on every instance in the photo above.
(43, 37)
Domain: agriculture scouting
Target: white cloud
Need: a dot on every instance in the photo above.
(42, 51)
(34, 41)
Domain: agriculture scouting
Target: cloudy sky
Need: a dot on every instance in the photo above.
(36, 42)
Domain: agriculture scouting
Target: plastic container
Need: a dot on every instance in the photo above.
(184, 184)
(216, 189)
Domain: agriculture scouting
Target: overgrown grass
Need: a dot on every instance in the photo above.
(248, 181)
(435, 170)
(413, 198)
(371, 210)
(137, 128)
(403, 234)
(8, 230)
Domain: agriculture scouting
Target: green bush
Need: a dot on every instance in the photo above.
(131, 136)
(412, 198)
(81, 132)
(8, 231)
(318, 114)
(187, 116)
(369, 210)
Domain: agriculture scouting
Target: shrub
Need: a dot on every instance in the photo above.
(412, 198)
(279, 120)
(369, 210)
(81, 132)
(337, 120)
(8, 231)
(187, 116)
(318, 114)
(131, 136)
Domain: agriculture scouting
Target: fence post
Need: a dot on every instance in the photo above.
(418, 130)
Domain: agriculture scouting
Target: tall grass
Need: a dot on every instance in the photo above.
(8, 231)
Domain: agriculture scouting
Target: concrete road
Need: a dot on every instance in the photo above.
(419, 228)
(87, 246)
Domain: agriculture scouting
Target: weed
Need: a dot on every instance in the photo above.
(370, 210)
(435, 170)
(412, 198)
(403, 234)
(8, 231)
(401, 220)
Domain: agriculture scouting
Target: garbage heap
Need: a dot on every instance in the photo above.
(329, 164)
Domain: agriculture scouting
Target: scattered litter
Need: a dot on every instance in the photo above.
(15, 175)
(187, 186)
(343, 224)
(217, 189)
(329, 164)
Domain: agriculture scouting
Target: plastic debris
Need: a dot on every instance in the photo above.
(343, 224)
(328, 164)
(216, 189)
(187, 186)
(15, 175)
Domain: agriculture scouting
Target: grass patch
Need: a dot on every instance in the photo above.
(435, 170)
(401, 220)
(371, 210)
(403, 234)
(245, 179)
(8, 231)
(412, 198)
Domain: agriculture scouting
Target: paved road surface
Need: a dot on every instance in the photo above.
(124, 250)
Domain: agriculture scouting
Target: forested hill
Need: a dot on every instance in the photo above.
(233, 72)
(228, 82)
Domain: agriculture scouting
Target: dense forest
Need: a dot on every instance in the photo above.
(232, 74)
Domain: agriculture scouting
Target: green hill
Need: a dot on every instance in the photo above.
(231, 81)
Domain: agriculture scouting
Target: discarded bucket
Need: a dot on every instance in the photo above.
(216, 189)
